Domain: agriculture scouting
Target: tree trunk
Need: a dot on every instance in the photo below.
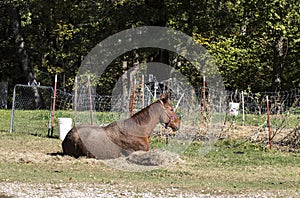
(279, 52)
(27, 69)
(158, 6)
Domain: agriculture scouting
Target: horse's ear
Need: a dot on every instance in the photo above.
(165, 98)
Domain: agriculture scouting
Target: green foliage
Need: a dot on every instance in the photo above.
(246, 49)
(252, 42)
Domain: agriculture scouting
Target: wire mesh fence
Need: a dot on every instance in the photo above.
(280, 123)
(284, 106)
(251, 107)
(31, 109)
(250, 110)
(254, 103)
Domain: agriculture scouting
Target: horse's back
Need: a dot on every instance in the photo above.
(93, 142)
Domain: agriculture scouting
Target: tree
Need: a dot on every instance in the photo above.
(255, 43)
(20, 45)
(257, 46)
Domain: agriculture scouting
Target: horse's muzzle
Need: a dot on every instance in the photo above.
(175, 128)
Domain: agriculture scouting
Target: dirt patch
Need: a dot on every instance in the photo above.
(35, 150)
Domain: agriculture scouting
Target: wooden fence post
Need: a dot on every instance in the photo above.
(269, 123)
(90, 97)
(203, 100)
(53, 106)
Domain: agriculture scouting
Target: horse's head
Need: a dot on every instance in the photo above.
(169, 117)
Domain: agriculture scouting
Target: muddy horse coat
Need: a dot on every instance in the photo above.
(120, 137)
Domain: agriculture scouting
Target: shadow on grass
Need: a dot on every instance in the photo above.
(57, 154)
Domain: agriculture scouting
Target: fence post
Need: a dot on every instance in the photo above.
(13, 112)
(132, 94)
(24, 98)
(90, 98)
(203, 100)
(133, 98)
(75, 100)
(143, 91)
(50, 113)
(53, 106)
(269, 123)
(243, 108)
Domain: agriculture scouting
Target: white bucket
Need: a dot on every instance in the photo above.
(234, 108)
(64, 126)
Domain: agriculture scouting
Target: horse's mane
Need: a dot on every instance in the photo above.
(143, 117)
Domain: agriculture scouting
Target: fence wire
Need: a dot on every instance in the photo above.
(284, 109)
(254, 103)
(31, 109)
(252, 108)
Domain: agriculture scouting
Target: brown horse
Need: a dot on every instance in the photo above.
(121, 137)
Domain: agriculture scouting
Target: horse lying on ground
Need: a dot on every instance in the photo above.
(120, 137)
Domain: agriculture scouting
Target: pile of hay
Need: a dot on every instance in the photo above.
(144, 161)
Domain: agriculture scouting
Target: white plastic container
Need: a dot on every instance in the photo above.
(64, 126)
(234, 108)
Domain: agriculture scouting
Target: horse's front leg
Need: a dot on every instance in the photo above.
(144, 144)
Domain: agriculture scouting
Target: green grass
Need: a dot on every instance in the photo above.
(5, 116)
(36, 122)
(289, 120)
